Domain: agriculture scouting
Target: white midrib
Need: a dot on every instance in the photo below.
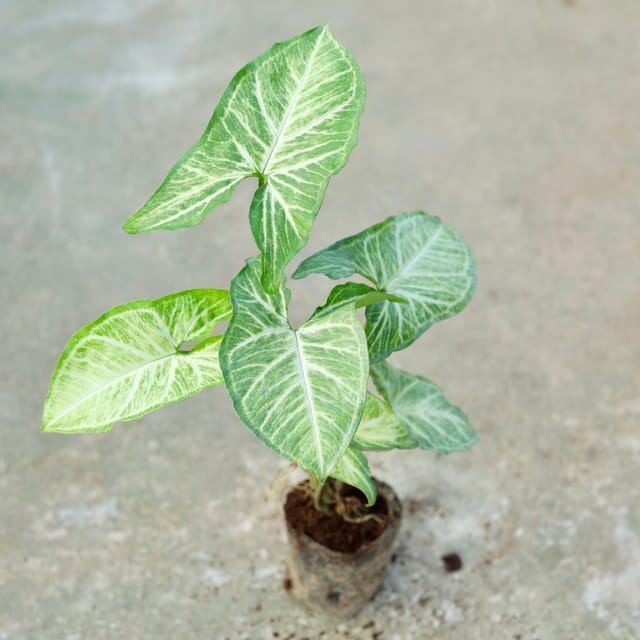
(307, 395)
(111, 382)
(292, 105)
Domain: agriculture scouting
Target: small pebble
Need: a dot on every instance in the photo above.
(452, 562)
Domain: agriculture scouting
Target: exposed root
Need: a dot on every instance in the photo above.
(328, 497)
(280, 479)
(351, 509)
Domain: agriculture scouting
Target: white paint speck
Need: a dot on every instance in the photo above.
(54, 534)
(199, 556)
(215, 577)
(266, 572)
(74, 516)
(451, 612)
(246, 525)
(609, 596)
(118, 536)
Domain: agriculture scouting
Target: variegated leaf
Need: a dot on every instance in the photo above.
(353, 469)
(412, 255)
(290, 118)
(433, 422)
(301, 391)
(131, 361)
(380, 428)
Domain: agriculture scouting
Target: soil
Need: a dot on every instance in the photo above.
(452, 562)
(329, 528)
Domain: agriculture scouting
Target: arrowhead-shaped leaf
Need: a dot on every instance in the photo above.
(290, 117)
(353, 469)
(433, 422)
(412, 255)
(130, 362)
(301, 391)
(380, 428)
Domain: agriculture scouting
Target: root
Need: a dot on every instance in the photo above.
(327, 498)
(350, 509)
(279, 480)
(314, 495)
(365, 518)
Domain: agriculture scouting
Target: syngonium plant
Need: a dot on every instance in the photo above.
(289, 119)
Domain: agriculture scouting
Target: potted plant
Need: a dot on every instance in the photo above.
(289, 119)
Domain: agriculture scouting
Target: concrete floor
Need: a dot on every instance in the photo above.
(518, 123)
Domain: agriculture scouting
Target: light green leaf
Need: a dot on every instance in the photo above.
(412, 255)
(132, 360)
(290, 117)
(380, 428)
(302, 392)
(432, 421)
(353, 469)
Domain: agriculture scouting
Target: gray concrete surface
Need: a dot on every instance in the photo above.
(518, 122)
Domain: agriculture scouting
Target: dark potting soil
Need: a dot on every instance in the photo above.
(329, 528)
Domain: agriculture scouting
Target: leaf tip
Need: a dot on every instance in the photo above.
(49, 426)
(473, 440)
(130, 226)
(321, 28)
(47, 419)
(372, 495)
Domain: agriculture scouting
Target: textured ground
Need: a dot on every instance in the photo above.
(515, 120)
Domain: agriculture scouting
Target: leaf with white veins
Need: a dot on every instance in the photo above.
(432, 421)
(300, 391)
(353, 469)
(131, 361)
(412, 255)
(290, 118)
(380, 428)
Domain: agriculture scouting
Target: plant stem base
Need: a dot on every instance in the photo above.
(335, 582)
